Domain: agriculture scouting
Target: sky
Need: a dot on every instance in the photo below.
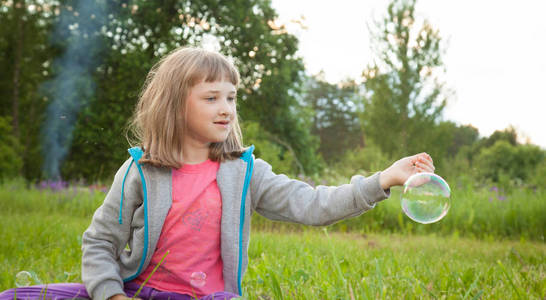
(495, 54)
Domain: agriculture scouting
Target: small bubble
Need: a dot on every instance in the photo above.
(23, 278)
(198, 279)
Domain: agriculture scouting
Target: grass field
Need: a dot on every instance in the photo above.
(41, 234)
(314, 265)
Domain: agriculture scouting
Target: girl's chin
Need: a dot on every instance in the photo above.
(219, 140)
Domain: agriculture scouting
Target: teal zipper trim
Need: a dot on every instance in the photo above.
(136, 153)
(122, 189)
(247, 157)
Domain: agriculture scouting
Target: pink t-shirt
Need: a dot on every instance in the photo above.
(191, 234)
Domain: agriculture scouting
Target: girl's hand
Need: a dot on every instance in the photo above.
(401, 170)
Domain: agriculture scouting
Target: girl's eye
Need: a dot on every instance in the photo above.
(231, 99)
(210, 99)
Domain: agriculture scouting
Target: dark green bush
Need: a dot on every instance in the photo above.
(508, 164)
(281, 159)
(10, 160)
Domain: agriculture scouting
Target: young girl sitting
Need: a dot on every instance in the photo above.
(176, 220)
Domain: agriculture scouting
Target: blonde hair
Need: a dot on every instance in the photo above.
(159, 120)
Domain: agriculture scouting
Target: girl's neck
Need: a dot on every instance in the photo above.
(195, 154)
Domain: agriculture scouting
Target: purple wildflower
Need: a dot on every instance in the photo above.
(42, 185)
(54, 185)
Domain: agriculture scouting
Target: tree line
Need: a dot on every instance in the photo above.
(72, 72)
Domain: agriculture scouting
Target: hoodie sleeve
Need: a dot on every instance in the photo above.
(105, 239)
(278, 197)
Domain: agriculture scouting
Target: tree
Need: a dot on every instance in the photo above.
(136, 34)
(129, 37)
(463, 136)
(335, 116)
(509, 135)
(26, 63)
(10, 159)
(404, 96)
(504, 162)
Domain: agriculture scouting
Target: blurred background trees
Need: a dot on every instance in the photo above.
(302, 124)
(404, 97)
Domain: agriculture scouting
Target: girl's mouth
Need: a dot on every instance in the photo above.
(224, 124)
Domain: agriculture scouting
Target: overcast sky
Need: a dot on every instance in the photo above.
(495, 59)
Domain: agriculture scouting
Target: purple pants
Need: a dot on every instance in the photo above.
(59, 291)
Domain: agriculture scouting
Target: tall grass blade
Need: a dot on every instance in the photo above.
(276, 287)
(472, 286)
(478, 295)
(150, 276)
(509, 278)
(336, 264)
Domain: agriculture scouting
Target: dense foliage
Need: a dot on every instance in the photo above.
(73, 71)
(10, 159)
(102, 79)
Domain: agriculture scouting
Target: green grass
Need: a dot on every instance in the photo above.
(311, 265)
(40, 233)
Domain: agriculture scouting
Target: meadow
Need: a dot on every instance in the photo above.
(457, 258)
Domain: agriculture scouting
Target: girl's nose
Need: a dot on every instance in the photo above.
(226, 108)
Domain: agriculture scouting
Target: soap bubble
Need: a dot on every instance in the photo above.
(23, 278)
(198, 279)
(426, 198)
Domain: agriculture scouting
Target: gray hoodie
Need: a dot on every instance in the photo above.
(125, 229)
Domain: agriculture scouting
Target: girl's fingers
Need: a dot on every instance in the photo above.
(424, 167)
(426, 157)
(423, 157)
(422, 162)
(429, 165)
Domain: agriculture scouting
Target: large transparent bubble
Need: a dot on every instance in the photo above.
(426, 198)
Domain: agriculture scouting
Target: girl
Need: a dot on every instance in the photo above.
(177, 217)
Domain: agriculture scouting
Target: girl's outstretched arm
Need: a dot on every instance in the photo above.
(278, 197)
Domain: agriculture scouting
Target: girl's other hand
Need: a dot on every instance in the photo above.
(401, 170)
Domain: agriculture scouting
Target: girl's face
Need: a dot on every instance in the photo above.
(211, 109)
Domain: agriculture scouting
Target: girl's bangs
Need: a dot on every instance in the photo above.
(215, 68)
